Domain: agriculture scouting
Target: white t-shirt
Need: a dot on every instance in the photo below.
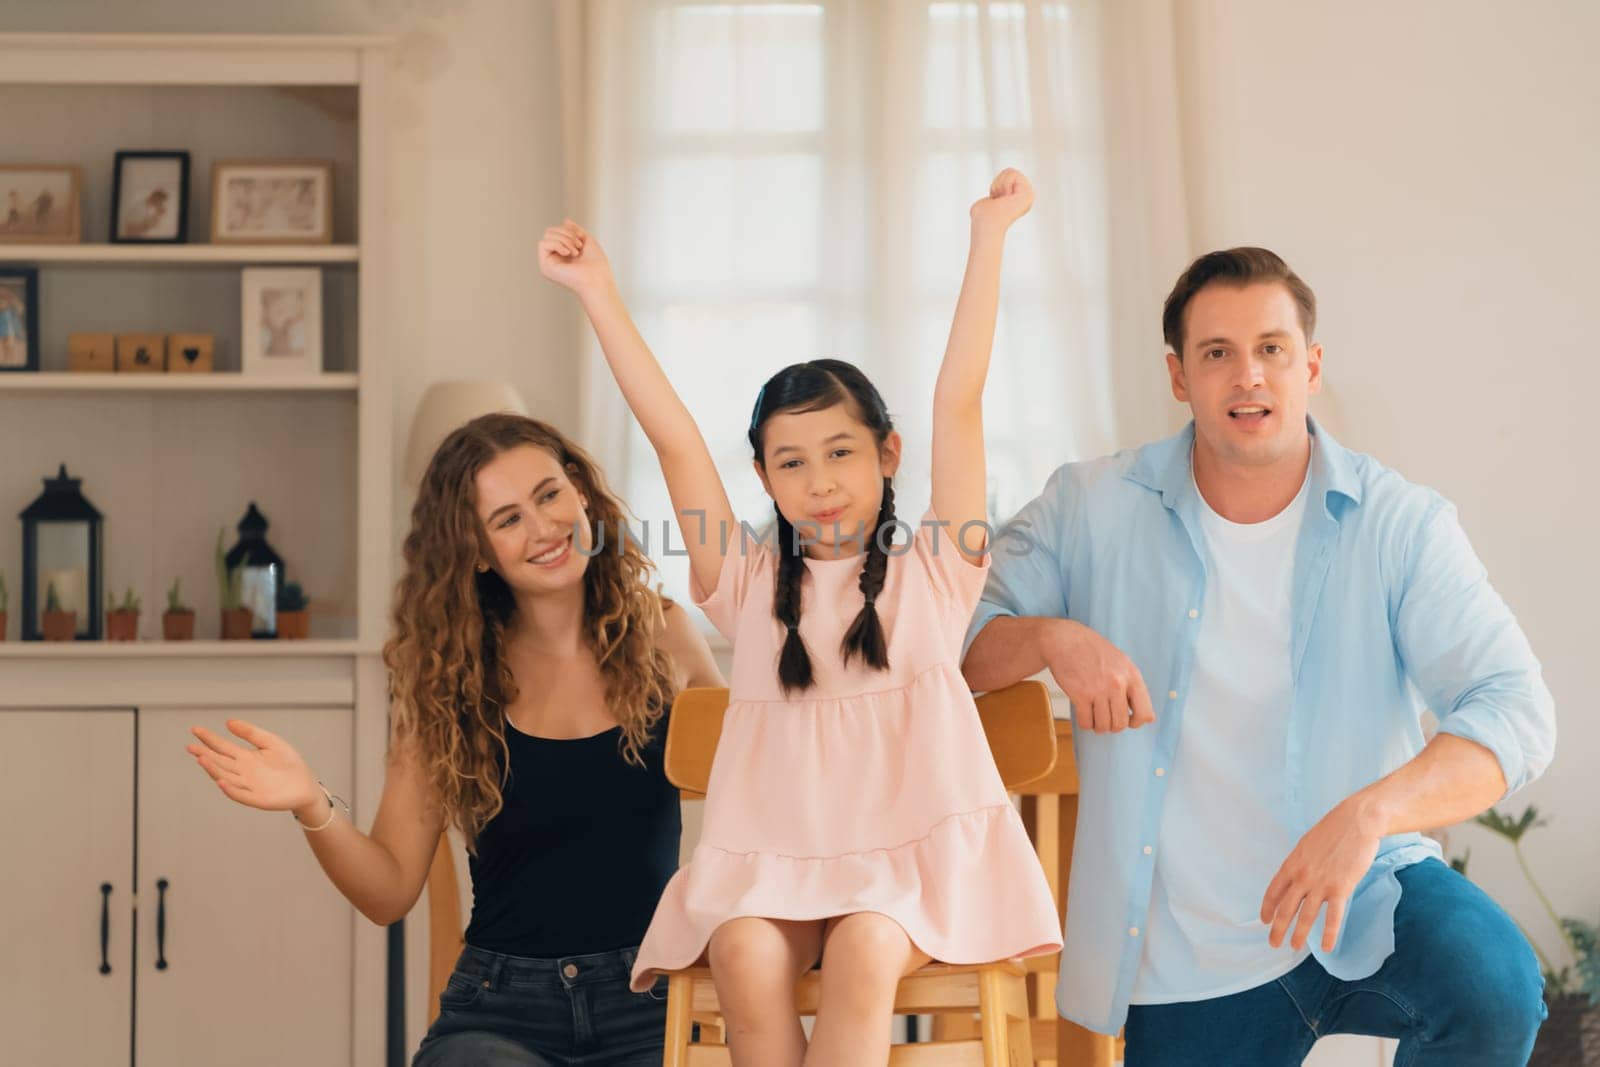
(1225, 829)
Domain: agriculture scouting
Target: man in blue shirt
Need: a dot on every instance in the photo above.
(1249, 620)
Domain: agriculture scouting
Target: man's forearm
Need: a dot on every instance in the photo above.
(1006, 651)
(1450, 780)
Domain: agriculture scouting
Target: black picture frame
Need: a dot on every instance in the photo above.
(182, 159)
(28, 277)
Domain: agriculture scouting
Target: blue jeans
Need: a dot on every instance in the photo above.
(1462, 989)
(576, 1011)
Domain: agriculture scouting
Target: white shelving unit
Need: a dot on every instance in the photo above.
(255, 931)
(205, 255)
(219, 382)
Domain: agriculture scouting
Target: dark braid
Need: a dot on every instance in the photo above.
(794, 662)
(865, 636)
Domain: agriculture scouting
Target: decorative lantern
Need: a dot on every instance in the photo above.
(261, 573)
(61, 550)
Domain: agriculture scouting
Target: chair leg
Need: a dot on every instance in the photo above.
(992, 1017)
(680, 1003)
(1075, 1045)
(1019, 1020)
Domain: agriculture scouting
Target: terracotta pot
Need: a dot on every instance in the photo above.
(122, 626)
(294, 625)
(60, 625)
(236, 624)
(1570, 1037)
(2, 626)
(177, 625)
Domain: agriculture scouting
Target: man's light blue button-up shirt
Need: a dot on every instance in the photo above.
(1392, 612)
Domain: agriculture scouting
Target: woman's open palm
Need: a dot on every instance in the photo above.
(265, 772)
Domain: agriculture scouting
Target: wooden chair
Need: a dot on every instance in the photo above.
(1021, 734)
(444, 922)
(1050, 812)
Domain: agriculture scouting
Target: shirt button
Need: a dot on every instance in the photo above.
(1147, 850)
(570, 970)
(1193, 614)
(1133, 931)
(1172, 694)
(1161, 772)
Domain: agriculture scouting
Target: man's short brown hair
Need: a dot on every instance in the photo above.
(1236, 267)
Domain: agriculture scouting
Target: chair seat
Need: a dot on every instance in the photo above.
(935, 988)
(994, 993)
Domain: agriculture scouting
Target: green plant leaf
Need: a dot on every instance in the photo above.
(1509, 828)
(1585, 939)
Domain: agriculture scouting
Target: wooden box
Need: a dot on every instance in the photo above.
(190, 353)
(92, 352)
(142, 353)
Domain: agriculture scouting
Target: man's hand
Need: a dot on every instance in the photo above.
(1107, 691)
(1324, 868)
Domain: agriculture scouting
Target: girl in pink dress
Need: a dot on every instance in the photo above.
(854, 813)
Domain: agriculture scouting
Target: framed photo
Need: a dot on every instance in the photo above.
(39, 203)
(272, 202)
(19, 318)
(282, 321)
(150, 198)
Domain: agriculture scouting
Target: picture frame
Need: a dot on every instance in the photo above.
(19, 318)
(272, 202)
(282, 320)
(150, 197)
(41, 203)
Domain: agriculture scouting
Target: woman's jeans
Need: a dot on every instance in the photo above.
(1462, 989)
(576, 1011)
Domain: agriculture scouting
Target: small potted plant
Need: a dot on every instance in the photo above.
(177, 622)
(1571, 1034)
(5, 602)
(294, 620)
(237, 619)
(122, 620)
(58, 625)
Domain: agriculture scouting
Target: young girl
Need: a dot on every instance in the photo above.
(531, 670)
(853, 812)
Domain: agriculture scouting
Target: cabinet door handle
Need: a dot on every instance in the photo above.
(105, 927)
(161, 925)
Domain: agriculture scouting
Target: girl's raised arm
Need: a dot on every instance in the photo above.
(572, 258)
(959, 495)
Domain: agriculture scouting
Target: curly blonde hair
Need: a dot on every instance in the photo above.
(450, 682)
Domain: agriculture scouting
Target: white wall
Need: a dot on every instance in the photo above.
(1431, 169)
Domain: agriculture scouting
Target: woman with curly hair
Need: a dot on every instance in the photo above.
(532, 668)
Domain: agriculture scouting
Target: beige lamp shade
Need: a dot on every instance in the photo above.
(447, 405)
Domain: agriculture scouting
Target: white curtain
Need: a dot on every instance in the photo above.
(780, 181)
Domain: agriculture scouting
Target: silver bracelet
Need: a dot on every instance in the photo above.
(334, 804)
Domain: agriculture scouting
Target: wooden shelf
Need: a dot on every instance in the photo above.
(221, 382)
(179, 649)
(191, 255)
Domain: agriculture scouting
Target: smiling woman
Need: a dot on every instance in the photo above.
(531, 681)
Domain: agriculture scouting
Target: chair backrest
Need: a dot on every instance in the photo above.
(444, 922)
(1017, 720)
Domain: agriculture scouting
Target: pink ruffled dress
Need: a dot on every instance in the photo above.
(871, 791)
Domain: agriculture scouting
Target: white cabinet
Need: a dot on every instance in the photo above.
(250, 918)
(234, 949)
(266, 962)
(66, 786)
